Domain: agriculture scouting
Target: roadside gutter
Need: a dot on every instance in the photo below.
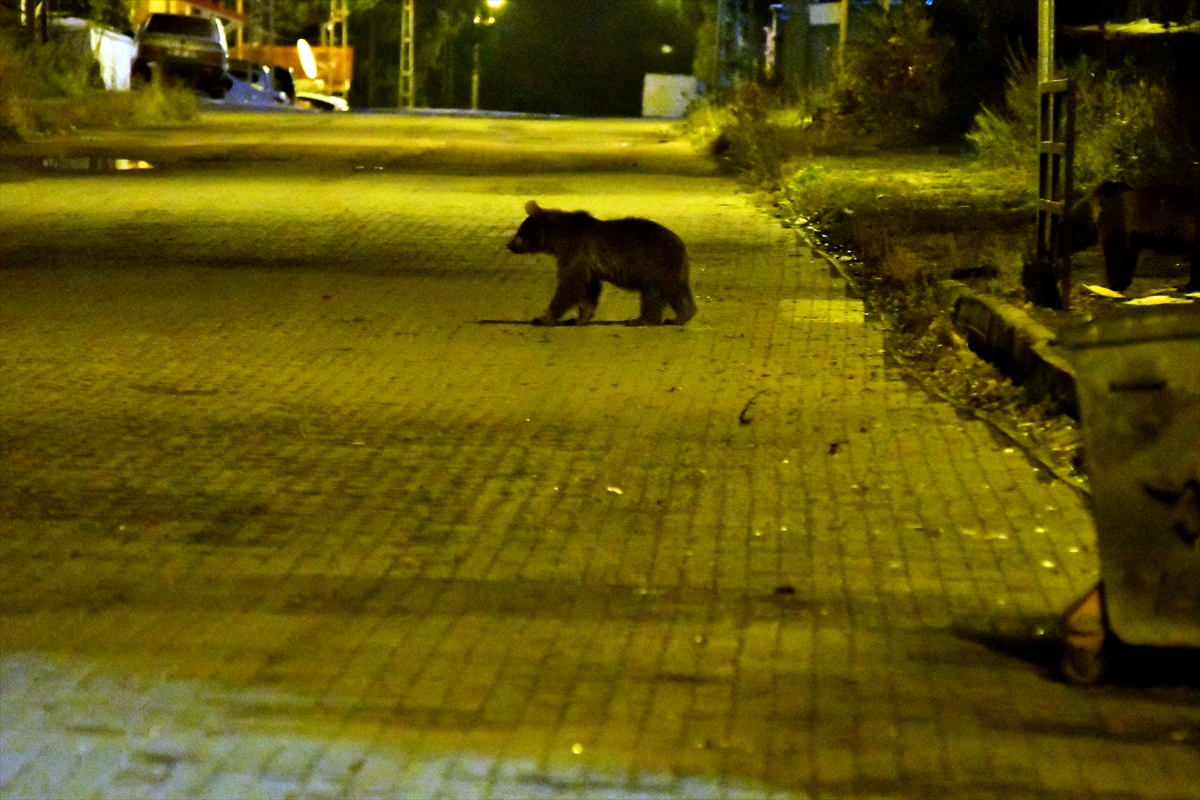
(1019, 346)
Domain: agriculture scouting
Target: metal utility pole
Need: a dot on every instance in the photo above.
(1045, 40)
(843, 29)
(482, 21)
(1056, 156)
(475, 77)
(241, 28)
(729, 42)
(333, 33)
(408, 93)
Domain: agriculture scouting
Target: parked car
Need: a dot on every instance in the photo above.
(259, 85)
(321, 102)
(186, 48)
(284, 82)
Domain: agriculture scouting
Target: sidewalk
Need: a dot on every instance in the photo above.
(280, 518)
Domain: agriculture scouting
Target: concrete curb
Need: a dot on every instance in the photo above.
(1019, 346)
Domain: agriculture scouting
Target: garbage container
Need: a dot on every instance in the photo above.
(1138, 386)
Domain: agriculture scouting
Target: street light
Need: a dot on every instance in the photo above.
(408, 93)
(482, 19)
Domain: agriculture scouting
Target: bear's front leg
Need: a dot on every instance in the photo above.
(1120, 260)
(587, 306)
(566, 296)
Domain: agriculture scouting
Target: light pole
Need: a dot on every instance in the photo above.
(408, 94)
(483, 18)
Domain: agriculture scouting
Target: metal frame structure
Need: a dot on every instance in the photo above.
(1056, 177)
(1056, 156)
(408, 94)
(333, 32)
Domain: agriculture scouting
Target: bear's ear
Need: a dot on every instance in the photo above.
(532, 208)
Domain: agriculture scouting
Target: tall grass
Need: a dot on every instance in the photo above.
(1008, 137)
(54, 88)
(750, 132)
(1129, 126)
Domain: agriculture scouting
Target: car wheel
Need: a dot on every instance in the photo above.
(140, 75)
(218, 88)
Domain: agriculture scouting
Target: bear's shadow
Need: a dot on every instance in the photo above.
(566, 323)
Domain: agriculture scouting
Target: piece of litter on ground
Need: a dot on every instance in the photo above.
(1103, 291)
(1157, 300)
(615, 490)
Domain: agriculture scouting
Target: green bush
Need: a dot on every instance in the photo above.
(892, 81)
(1009, 138)
(1128, 127)
(749, 131)
(1131, 128)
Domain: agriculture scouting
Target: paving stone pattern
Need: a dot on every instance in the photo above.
(281, 517)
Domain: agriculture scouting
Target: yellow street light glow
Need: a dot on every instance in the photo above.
(495, 3)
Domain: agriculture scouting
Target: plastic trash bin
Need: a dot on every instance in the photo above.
(1138, 385)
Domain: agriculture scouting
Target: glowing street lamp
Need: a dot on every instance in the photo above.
(481, 19)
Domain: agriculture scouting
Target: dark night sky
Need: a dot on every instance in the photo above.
(583, 57)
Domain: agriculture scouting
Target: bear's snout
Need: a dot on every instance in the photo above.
(518, 245)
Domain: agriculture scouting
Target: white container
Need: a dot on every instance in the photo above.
(668, 96)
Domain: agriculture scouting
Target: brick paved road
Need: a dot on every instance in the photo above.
(281, 518)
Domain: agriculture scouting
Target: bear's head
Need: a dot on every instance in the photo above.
(548, 231)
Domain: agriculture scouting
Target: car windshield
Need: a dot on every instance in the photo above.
(180, 25)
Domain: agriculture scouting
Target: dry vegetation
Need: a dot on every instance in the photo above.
(900, 224)
(875, 178)
(51, 89)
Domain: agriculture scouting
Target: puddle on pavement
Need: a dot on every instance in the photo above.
(95, 164)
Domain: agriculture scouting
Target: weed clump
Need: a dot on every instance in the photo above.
(1008, 137)
(55, 87)
(750, 132)
(1129, 126)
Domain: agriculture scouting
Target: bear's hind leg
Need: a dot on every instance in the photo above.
(651, 308)
(684, 305)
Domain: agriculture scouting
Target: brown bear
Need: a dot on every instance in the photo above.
(631, 253)
(1165, 219)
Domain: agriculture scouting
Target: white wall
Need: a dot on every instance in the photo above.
(667, 95)
(113, 51)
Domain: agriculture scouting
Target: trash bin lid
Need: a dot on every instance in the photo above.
(1141, 325)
